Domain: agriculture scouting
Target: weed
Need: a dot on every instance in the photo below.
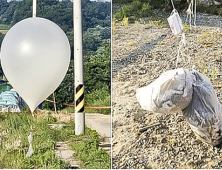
(125, 21)
(160, 43)
(4, 27)
(114, 26)
(156, 23)
(136, 24)
(99, 98)
(89, 151)
(142, 21)
(186, 27)
(14, 144)
(146, 27)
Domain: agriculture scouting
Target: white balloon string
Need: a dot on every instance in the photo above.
(172, 4)
(181, 44)
(188, 12)
(191, 13)
(30, 138)
(195, 13)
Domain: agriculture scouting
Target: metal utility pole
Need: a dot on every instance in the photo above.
(34, 8)
(78, 65)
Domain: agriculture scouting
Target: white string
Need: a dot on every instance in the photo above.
(195, 13)
(181, 44)
(188, 11)
(30, 138)
(172, 4)
(191, 12)
(183, 37)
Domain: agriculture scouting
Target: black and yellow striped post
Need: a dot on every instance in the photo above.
(79, 98)
(78, 65)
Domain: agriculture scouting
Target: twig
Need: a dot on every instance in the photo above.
(147, 127)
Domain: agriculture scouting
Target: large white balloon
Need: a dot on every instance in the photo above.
(35, 56)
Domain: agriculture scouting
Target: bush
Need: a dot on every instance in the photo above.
(99, 97)
(136, 8)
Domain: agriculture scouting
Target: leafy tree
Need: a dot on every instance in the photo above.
(97, 70)
(65, 92)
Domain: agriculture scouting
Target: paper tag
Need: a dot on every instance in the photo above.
(175, 23)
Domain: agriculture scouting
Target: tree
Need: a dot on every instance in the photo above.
(98, 69)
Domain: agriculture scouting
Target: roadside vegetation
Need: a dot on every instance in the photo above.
(15, 128)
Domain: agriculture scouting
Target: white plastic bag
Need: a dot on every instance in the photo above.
(204, 114)
(171, 92)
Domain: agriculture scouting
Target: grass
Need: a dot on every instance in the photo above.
(4, 27)
(14, 129)
(18, 127)
(98, 98)
(88, 151)
(133, 10)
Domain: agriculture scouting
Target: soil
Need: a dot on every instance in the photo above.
(140, 53)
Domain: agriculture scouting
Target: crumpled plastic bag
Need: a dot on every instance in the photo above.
(204, 114)
(171, 92)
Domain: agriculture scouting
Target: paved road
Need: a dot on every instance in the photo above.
(99, 122)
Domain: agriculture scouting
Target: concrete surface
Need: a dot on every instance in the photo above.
(99, 122)
(65, 153)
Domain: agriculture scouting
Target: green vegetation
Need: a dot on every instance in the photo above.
(134, 9)
(212, 10)
(1, 39)
(15, 128)
(4, 27)
(97, 76)
(14, 144)
(86, 148)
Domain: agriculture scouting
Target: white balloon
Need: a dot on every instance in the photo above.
(35, 56)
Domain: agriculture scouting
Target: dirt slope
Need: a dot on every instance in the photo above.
(141, 52)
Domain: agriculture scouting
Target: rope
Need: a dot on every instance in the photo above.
(172, 4)
(191, 11)
(86, 107)
(181, 44)
(30, 138)
(195, 13)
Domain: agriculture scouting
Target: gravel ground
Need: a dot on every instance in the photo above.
(141, 52)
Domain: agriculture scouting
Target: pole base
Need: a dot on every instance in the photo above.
(79, 123)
